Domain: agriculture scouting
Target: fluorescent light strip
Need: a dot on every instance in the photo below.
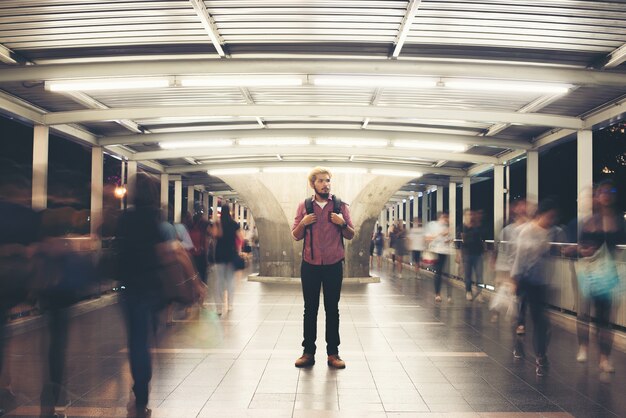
(107, 84)
(349, 170)
(347, 142)
(504, 86)
(286, 170)
(372, 81)
(232, 171)
(425, 145)
(242, 81)
(397, 173)
(196, 144)
(274, 141)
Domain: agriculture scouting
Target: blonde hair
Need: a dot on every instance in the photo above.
(318, 170)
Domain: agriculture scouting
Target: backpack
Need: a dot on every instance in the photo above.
(308, 205)
(378, 239)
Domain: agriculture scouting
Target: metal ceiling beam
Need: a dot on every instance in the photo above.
(578, 76)
(20, 108)
(315, 150)
(492, 141)
(91, 103)
(456, 172)
(305, 111)
(405, 26)
(209, 25)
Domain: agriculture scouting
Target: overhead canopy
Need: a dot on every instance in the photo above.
(445, 88)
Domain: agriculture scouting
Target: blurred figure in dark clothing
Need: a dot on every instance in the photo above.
(472, 249)
(529, 272)
(138, 238)
(19, 234)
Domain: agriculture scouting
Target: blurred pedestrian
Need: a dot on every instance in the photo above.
(599, 235)
(439, 242)
(472, 249)
(529, 271)
(226, 232)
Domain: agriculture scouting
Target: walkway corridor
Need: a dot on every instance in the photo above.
(405, 357)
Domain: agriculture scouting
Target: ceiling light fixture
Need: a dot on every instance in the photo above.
(196, 144)
(373, 81)
(233, 171)
(242, 81)
(435, 146)
(349, 142)
(397, 173)
(107, 84)
(269, 142)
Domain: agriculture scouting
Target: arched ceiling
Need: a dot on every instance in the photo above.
(446, 88)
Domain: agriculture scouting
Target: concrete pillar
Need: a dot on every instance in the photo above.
(241, 213)
(439, 198)
(131, 185)
(507, 193)
(165, 195)
(178, 200)
(123, 182)
(498, 200)
(402, 212)
(532, 177)
(467, 193)
(215, 200)
(190, 199)
(97, 183)
(585, 173)
(205, 204)
(382, 219)
(452, 209)
(40, 167)
(425, 217)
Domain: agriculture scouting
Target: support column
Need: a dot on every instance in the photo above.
(452, 209)
(165, 195)
(402, 212)
(532, 177)
(507, 192)
(467, 193)
(131, 185)
(190, 199)
(241, 212)
(498, 200)
(425, 207)
(439, 198)
(215, 200)
(585, 173)
(123, 182)
(205, 204)
(97, 182)
(40, 167)
(178, 200)
(382, 219)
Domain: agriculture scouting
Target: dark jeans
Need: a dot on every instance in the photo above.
(522, 304)
(330, 278)
(441, 261)
(57, 321)
(602, 317)
(537, 297)
(201, 264)
(140, 313)
(472, 263)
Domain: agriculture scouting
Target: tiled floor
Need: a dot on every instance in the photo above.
(405, 355)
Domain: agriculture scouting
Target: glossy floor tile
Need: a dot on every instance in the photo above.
(406, 356)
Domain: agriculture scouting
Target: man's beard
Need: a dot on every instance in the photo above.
(323, 195)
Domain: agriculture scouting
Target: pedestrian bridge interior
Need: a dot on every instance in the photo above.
(237, 100)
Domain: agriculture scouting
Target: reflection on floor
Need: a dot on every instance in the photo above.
(405, 356)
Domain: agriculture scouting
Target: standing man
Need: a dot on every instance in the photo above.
(323, 222)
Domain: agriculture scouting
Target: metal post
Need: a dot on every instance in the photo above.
(40, 168)
(97, 182)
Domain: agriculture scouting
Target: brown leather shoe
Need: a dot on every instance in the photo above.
(306, 360)
(336, 362)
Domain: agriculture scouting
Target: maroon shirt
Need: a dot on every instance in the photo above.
(327, 246)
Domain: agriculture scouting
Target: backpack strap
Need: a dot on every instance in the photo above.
(308, 206)
(337, 209)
